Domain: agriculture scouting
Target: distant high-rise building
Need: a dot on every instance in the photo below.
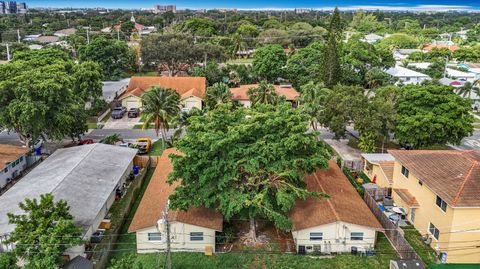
(164, 8)
(12, 7)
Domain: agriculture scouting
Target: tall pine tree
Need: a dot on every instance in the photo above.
(332, 70)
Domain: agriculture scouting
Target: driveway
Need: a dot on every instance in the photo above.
(123, 123)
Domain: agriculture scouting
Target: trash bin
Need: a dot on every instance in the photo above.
(136, 169)
(38, 151)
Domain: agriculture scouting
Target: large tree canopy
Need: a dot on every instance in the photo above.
(37, 96)
(432, 114)
(247, 162)
(268, 62)
(44, 232)
(305, 65)
(114, 57)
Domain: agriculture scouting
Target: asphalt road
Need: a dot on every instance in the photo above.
(470, 143)
(126, 134)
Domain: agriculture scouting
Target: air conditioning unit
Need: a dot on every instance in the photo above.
(426, 239)
(317, 249)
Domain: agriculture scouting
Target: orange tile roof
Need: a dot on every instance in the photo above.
(454, 175)
(240, 93)
(194, 85)
(344, 203)
(407, 197)
(387, 168)
(9, 153)
(155, 199)
(429, 47)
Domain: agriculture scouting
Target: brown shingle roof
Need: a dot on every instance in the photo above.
(387, 168)
(183, 85)
(240, 93)
(344, 203)
(454, 175)
(155, 199)
(406, 196)
(47, 39)
(9, 153)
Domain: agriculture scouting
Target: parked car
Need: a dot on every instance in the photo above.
(85, 142)
(118, 112)
(144, 145)
(133, 112)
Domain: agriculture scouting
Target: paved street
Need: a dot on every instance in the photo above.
(471, 142)
(123, 123)
(126, 134)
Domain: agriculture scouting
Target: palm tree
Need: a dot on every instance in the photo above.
(160, 105)
(218, 93)
(466, 90)
(312, 101)
(111, 139)
(264, 93)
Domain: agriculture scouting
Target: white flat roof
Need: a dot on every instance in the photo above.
(459, 74)
(84, 176)
(378, 157)
(399, 71)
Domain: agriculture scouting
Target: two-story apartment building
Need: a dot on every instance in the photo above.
(440, 190)
(13, 161)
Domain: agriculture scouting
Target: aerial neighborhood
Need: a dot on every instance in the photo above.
(147, 137)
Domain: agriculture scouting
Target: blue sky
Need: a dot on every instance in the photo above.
(263, 4)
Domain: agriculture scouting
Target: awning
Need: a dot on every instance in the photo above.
(407, 197)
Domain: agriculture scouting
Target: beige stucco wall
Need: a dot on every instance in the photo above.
(336, 237)
(382, 180)
(451, 224)
(191, 102)
(180, 233)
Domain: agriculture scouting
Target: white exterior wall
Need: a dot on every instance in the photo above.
(12, 171)
(180, 241)
(245, 103)
(411, 80)
(336, 237)
(132, 102)
(192, 102)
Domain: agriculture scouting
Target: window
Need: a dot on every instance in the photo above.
(13, 164)
(21, 158)
(356, 236)
(196, 236)
(17, 162)
(441, 204)
(316, 236)
(6, 169)
(405, 171)
(154, 236)
(434, 231)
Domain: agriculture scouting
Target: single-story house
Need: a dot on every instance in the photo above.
(47, 39)
(86, 177)
(65, 32)
(379, 168)
(371, 38)
(192, 230)
(190, 89)
(422, 65)
(451, 82)
(240, 94)
(440, 45)
(13, 160)
(407, 76)
(341, 223)
(402, 54)
(460, 75)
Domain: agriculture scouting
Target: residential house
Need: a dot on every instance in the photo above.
(462, 34)
(65, 32)
(87, 177)
(440, 45)
(13, 160)
(47, 39)
(460, 75)
(379, 168)
(192, 230)
(371, 38)
(341, 223)
(440, 191)
(407, 76)
(421, 65)
(240, 94)
(402, 54)
(472, 68)
(190, 89)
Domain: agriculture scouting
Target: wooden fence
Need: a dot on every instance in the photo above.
(145, 161)
(393, 233)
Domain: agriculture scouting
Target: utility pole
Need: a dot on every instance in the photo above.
(163, 226)
(8, 52)
(445, 69)
(18, 36)
(118, 34)
(88, 35)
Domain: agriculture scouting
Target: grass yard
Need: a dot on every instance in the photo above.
(426, 253)
(126, 243)
(240, 61)
(157, 148)
(92, 125)
(454, 266)
(140, 126)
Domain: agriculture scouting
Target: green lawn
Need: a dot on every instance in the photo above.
(455, 266)
(140, 126)
(157, 148)
(92, 125)
(126, 243)
(240, 61)
(426, 253)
